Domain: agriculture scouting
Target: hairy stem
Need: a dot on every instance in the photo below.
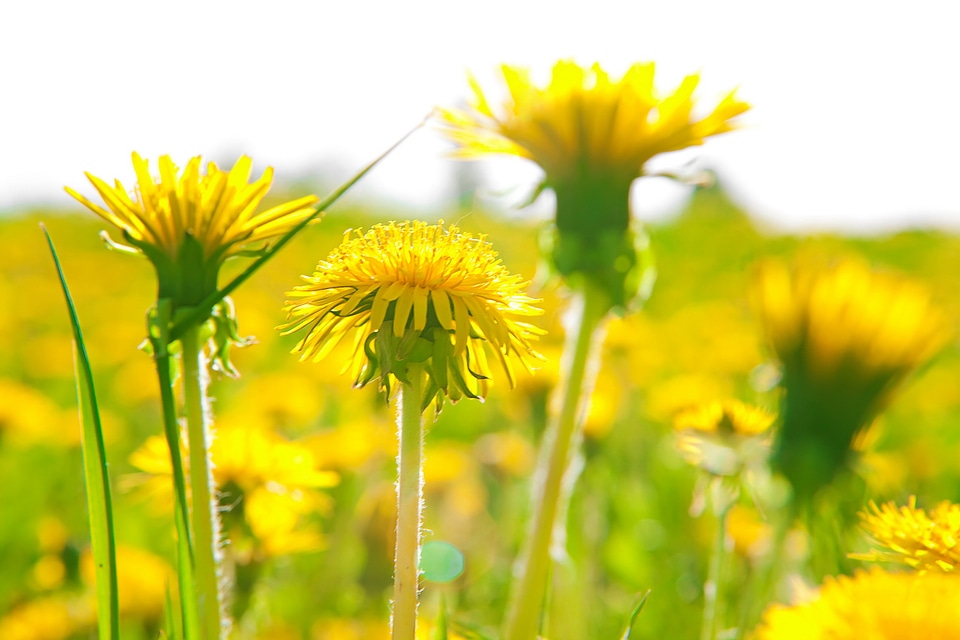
(205, 518)
(409, 507)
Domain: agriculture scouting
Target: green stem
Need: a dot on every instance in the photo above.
(171, 429)
(206, 523)
(533, 568)
(763, 587)
(406, 575)
(714, 585)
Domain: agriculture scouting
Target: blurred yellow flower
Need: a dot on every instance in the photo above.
(269, 482)
(847, 337)
(28, 417)
(908, 535)
(56, 617)
(584, 120)
(143, 580)
(411, 292)
(723, 437)
(592, 136)
(187, 224)
(728, 417)
(751, 536)
(872, 605)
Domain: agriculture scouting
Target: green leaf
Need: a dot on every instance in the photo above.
(96, 475)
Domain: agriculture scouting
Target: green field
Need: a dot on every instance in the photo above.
(312, 561)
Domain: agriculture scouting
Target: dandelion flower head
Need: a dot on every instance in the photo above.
(271, 485)
(413, 293)
(592, 135)
(872, 605)
(584, 120)
(841, 319)
(847, 336)
(723, 437)
(911, 536)
(187, 223)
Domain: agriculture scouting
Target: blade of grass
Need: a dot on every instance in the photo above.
(201, 311)
(628, 631)
(96, 475)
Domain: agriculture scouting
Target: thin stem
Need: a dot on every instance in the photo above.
(712, 610)
(409, 507)
(206, 523)
(533, 567)
(764, 582)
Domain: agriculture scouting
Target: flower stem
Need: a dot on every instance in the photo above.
(712, 589)
(409, 507)
(763, 588)
(533, 568)
(206, 523)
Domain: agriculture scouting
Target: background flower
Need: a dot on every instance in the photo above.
(847, 337)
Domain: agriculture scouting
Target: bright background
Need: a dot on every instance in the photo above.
(855, 125)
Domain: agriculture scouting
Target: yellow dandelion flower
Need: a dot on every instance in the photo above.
(586, 121)
(723, 437)
(267, 483)
(908, 535)
(725, 417)
(592, 135)
(872, 605)
(187, 223)
(411, 292)
(847, 337)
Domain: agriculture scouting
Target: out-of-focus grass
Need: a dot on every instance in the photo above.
(631, 528)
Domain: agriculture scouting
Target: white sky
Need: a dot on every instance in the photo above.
(856, 122)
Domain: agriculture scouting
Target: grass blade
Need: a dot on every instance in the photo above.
(628, 631)
(96, 475)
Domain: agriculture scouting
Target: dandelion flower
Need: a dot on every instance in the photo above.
(270, 485)
(908, 535)
(723, 438)
(187, 223)
(585, 122)
(872, 605)
(592, 135)
(847, 337)
(411, 292)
